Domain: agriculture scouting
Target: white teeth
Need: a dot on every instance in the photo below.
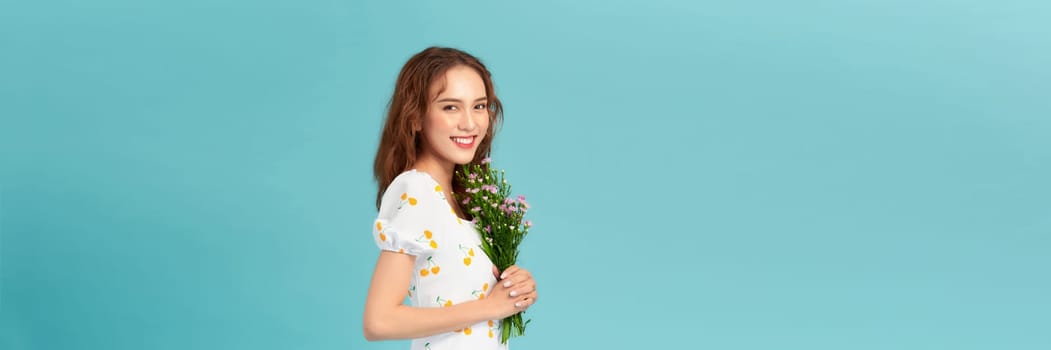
(463, 140)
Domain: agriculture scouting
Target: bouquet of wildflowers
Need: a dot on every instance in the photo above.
(499, 219)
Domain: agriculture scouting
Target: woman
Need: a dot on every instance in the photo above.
(442, 114)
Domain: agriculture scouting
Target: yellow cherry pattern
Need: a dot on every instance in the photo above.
(490, 328)
(379, 227)
(480, 293)
(432, 268)
(468, 253)
(427, 236)
(442, 302)
(466, 330)
(406, 198)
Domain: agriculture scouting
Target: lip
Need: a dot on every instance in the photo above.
(474, 138)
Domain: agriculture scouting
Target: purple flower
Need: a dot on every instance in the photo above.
(521, 198)
(528, 224)
(492, 189)
(508, 201)
(466, 200)
(472, 176)
(486, 160)
(476, 209)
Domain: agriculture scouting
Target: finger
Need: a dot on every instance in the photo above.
(520, 277)
(513, 281)
(531, 296)
(523, 289)
(496, 272)
(517, 272)
(509, 271)
(524, 303)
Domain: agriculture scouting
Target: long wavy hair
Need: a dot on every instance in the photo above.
(399, 143)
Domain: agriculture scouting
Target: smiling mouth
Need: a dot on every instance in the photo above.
(464, 141)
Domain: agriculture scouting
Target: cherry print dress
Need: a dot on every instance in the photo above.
(451, 268)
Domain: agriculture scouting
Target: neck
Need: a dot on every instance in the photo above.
(443, 173)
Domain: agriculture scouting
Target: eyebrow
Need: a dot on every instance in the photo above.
(449, 99)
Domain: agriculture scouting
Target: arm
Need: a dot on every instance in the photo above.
(387, 318)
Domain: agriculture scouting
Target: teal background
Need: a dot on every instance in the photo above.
(704, 174)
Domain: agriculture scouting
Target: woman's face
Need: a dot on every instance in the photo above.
(457, 117)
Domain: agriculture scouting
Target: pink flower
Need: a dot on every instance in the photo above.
(521, 198)
(486, 160)
(472, 176)
(486, 228)
(466, 200)
(476, 209)
(528, 224)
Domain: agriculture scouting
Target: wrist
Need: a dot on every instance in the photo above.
(490, 310)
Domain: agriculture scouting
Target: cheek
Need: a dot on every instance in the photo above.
(483, 121)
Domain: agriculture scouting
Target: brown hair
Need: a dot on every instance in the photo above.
(399, 143)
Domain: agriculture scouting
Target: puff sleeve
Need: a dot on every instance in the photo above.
(407, 212)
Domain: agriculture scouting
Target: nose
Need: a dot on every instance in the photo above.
(466, 122)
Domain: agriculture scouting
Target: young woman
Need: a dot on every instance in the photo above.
(442, 114)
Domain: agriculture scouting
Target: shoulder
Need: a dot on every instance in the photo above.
(409, 184)
(411, 180)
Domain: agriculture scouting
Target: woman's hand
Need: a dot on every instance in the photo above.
(515, 291)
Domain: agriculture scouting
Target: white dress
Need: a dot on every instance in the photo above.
(451, 268)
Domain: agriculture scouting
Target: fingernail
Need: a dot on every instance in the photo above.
(514, 292)
(518, 304)
(507, 284)
(503, 275)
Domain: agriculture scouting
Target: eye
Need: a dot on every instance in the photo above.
(449, 108)
(480, 106)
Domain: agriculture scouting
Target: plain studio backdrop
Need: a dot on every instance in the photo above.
(703, 174)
